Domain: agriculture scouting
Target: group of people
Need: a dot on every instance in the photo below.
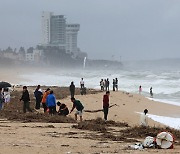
(48, 101)
(104, 84)
(4, 97)
(150, 91)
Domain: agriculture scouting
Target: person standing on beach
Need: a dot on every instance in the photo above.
(116, 81)
(72, 89)
(140, 89)
(46, 93)
(38, 95)
(144, 118)
(151, 92)
(78, 105)
(51, 103)
(26, 99)
(107, 82)
(106, 104)
(82, 83)
(1, 99)
(114, 84)
(102, 85)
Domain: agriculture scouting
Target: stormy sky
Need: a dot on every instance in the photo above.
(110, 29)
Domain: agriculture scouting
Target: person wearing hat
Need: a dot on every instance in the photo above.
(63, 109)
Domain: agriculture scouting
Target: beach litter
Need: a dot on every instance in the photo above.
(164, 140)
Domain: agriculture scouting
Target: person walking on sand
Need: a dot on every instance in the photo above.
(151, 93)
(78, 105)
(72, 89)
(51, 103)
(106, 104)
(140, 89)
(144, 118)
(82, 83)
(46, 93)
(38, 95)
(26, 99)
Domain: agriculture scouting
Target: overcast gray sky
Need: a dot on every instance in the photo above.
(132, 29)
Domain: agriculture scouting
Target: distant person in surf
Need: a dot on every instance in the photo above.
(140, 89)
(38, 95)
(151, 92)
(82, 83)
(72, 89)
(144, 118)
(106, 104)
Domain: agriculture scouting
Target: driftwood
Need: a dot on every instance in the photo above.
(100, 110)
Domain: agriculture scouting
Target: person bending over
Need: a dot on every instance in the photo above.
(63, 109)
(78, 105)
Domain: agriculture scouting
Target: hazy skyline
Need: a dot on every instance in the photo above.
(132, 29)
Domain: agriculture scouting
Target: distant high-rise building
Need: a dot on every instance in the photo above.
(55, 32)
(46, 19)
(71, 37)
(53, 29)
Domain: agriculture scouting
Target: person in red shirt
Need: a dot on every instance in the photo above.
(106, 104)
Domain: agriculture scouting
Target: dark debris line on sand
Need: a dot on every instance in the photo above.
(125, 134)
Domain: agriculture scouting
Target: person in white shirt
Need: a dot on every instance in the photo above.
(144, 118)
(82, 83)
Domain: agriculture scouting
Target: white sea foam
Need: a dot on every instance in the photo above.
(168, 121)
(165, 101)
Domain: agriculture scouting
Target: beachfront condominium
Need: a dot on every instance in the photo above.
(53, 30)
(71, 38)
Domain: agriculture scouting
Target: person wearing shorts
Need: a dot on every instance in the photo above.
(78, 105)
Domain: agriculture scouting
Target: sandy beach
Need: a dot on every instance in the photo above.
(42, 137)
(127, 107)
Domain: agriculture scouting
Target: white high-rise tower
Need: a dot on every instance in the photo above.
(46, 19)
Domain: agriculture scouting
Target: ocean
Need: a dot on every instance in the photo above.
(165, 83)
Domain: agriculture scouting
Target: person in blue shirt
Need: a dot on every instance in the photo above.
(51, 103)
